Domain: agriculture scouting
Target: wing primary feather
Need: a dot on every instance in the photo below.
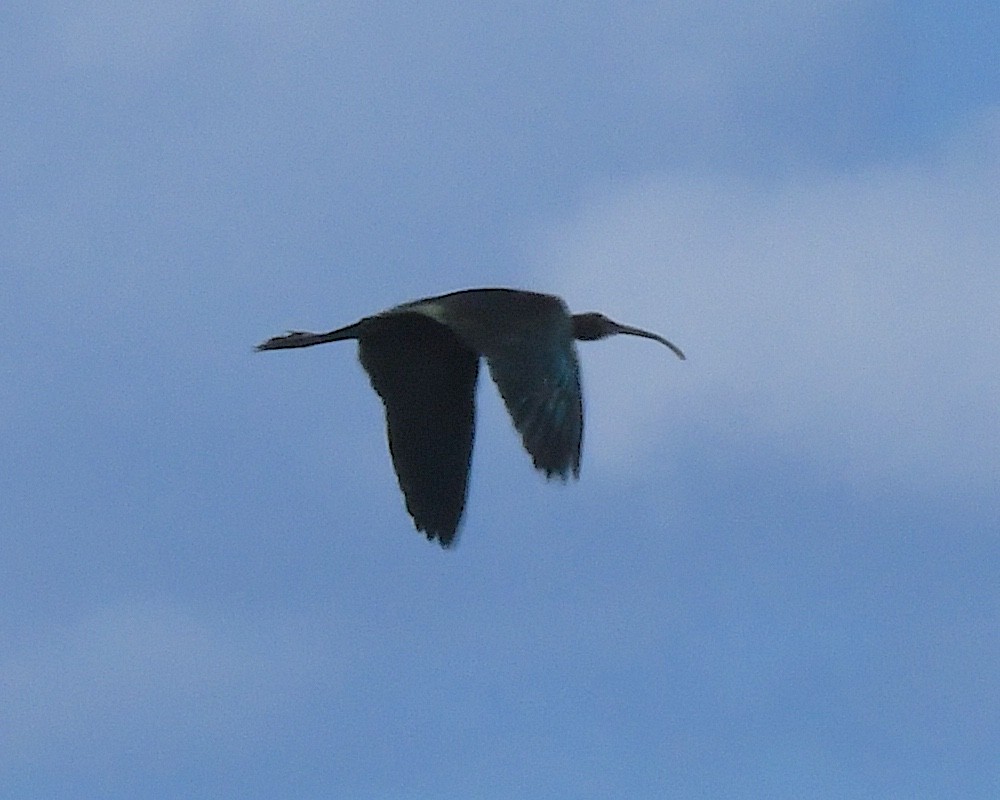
(426, 378)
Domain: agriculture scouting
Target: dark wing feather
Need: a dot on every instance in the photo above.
(538, 376)
(426, 378)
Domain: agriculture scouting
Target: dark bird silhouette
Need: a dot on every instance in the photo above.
(423, 361)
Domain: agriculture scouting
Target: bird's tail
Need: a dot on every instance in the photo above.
(306, 339)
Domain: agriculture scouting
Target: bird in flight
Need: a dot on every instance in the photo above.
(423, 361)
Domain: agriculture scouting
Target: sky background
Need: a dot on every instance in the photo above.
(779, 574)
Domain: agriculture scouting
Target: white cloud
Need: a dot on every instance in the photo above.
(853, 317)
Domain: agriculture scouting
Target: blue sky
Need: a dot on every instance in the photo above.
(778, 574)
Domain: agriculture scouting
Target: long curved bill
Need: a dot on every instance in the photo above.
(648, 335)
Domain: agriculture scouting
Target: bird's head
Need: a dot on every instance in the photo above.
(592, 326)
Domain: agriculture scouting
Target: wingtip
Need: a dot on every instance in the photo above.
(447, 539)
(562, 474)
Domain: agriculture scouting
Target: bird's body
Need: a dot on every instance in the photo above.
(423, 361)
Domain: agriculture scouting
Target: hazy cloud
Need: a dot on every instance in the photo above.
(124, 34)
(152, 676)
(852, 316)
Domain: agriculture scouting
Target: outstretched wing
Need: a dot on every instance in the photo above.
(539, 381)
(426, 378)
(527, 340)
